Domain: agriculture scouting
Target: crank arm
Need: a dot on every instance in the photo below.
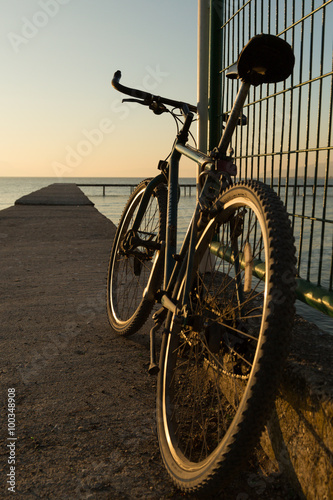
(132, 241)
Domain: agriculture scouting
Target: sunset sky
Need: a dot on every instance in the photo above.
(60, 115)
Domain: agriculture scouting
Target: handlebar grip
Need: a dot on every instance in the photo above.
(145, 96)
(140, 94)
(116, 78)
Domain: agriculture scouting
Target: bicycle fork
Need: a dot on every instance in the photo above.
(182, 265)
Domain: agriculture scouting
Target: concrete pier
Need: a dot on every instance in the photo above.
(59, 194)
(85, 404)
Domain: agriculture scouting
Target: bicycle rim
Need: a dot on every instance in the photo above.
(129, 273)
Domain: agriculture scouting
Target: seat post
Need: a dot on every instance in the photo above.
(233, 118)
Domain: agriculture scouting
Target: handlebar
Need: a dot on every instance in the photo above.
(147, 98)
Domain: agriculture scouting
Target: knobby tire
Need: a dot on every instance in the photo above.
(128, 273)
(220, 372)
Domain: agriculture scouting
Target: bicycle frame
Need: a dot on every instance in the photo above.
(254, 66)
(224, 334)
(172, 265)
(206, 162)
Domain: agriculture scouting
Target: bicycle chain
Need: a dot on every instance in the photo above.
(228, 374)
(222, 370)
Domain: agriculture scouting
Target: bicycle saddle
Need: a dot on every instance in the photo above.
(264, 59)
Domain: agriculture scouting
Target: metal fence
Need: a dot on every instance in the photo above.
(288, 140)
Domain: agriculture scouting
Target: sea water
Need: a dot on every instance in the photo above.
(112, 204)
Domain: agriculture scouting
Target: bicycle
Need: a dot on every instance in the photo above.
(226, 297)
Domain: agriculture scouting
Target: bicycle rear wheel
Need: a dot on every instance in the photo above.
(219, 373)
(128, 273)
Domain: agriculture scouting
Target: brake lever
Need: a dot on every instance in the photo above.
(139, 101)
(157, 107)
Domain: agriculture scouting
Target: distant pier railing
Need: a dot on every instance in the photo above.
(186, 188)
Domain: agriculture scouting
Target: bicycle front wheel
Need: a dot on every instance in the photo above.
(128, 273)
(219, 372)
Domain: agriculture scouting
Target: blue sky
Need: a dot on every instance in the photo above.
(60, 115)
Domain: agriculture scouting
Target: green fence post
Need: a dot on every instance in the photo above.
(215, 66)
